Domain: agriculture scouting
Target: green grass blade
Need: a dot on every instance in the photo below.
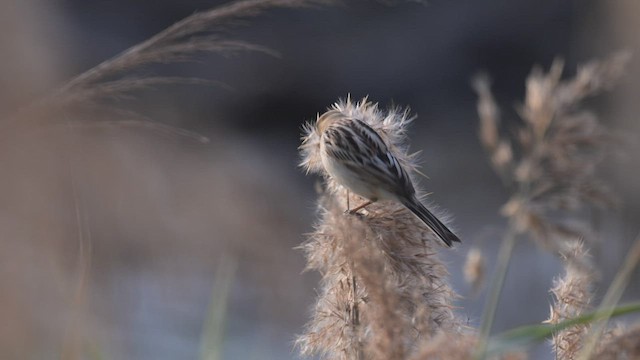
(493, 296)
(527, 335)
(212, 337)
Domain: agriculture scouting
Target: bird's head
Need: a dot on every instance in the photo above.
(326, 119)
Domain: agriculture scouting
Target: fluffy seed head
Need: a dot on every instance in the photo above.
(383, 288)
(474, 268)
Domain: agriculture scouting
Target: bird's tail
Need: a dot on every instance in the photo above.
(430, 220)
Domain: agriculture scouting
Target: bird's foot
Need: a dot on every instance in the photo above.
(355, 210)
(352, 212)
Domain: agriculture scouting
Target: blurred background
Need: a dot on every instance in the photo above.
(117, 242)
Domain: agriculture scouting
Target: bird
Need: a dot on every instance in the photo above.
(357, 157)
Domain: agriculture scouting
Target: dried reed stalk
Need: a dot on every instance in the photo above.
(383, 288)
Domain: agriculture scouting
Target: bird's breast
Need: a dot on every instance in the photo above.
(351, 177)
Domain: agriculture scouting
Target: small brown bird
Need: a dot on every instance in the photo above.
(357, 157)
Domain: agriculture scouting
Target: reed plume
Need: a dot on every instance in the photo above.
(550, 164)
(383, 288)
(572, 295)
(116, 78)
(550, 167)
(619, 343)
(474, 269)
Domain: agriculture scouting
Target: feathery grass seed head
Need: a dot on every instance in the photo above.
(553, 168)
(572, 297)
(383, 288)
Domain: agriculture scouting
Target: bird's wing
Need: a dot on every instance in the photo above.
(363, 150)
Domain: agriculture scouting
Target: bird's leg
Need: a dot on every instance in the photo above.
(355, 210)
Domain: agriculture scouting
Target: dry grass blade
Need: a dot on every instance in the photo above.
(73, 342)
(495, 290)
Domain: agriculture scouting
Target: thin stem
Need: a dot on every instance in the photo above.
(502, 267)
(213, 330)
(348, 205)
(355, 315)
(74, 331)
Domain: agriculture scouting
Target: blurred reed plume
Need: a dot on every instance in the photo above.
(115, 78)
(572, 295)
(550, 167)
(550, 164)
(619, 343)
(446, 347)
(474, 269)
(383, 289)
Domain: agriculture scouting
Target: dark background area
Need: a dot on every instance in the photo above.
(161, 211)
